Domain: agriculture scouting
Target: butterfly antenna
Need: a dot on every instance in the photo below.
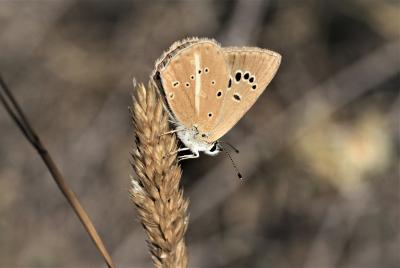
(230, 145)
(233, 163)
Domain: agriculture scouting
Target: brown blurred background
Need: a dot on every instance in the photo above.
(319, 149)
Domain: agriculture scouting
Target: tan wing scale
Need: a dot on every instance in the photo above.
(251, 69)
(194, 81)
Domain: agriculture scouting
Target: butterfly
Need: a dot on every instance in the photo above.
(207, 89)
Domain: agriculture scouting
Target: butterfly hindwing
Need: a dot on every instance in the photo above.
(251, 70)
(193, 82)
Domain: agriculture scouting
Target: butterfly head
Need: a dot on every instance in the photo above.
(214, 149)
(198, 141)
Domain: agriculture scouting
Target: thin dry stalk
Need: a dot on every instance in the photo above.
(14, 110)
(156, 193)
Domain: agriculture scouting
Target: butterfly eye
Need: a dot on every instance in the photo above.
(210, 114)
(254, 87)
(206, 70)
(214, 147)
(219, 93)
(187, 84)
(251, 80)
(175, 84)
(199, 71)
(171, 95)
(213, 82)
(203, 135)
(246, 76)
(236, 97)
(192, 77)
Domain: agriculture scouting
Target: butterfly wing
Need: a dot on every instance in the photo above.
(251, 70)
(193, 81)
(164, 60)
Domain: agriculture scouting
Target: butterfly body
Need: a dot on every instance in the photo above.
(207, 88)
(192, 139)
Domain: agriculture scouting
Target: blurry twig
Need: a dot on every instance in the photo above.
(337, 226)
(394, 116)
(39, 26)
(245, 17)
(14, 110)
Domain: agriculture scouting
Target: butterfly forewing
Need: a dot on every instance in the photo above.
(172, 51)
(251, 70)
(194, 83)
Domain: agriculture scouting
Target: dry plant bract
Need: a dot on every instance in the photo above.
(155, 191)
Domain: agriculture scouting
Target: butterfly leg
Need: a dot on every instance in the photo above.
(177, 151)
(180, 150)
(189, 156)
(170, 132)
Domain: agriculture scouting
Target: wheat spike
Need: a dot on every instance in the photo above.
(155, 190)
